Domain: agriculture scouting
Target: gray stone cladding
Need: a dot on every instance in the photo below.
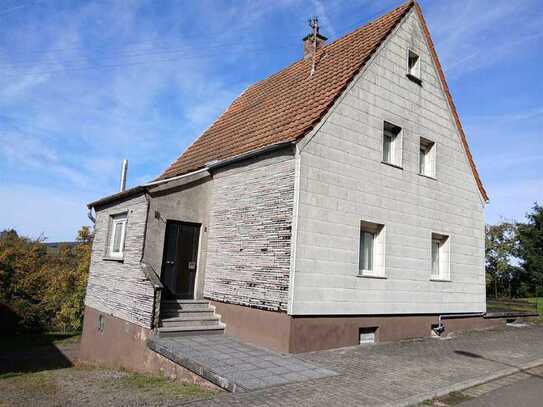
(250, 233)
(120, 288)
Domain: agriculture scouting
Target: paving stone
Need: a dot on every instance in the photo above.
(388, 374)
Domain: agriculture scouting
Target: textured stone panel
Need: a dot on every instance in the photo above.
(250, 233)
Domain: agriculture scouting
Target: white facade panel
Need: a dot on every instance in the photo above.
(343, 182)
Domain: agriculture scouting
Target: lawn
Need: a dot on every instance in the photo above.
(515, 305)
(41, 370)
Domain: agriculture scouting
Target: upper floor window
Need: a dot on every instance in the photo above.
(427, 158)
(413, 66)
(440, 257)
(117, 234)
(371, 261)
(392, 144)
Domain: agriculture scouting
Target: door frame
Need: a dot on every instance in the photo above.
(182, 222)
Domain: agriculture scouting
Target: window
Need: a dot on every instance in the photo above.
(427, 159)
(116, 236)
(372, 249)
(440, 257)
(413, 65)
(392, 152)
(367, 335)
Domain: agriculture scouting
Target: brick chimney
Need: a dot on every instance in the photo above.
(314, 40)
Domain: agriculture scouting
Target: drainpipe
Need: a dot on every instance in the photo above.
(440, 328)
(91, 216)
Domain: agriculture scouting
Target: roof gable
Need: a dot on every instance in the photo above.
(285, 107)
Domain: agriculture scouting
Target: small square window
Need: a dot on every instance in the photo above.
(117, 234)
(413, 64)
(427, 159)
(440, 257)
(372, 249)
(392, 143)
(367, 335)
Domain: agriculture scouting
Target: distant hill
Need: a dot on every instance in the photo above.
(53, 247)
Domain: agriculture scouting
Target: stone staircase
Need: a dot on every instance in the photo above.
(188, 317)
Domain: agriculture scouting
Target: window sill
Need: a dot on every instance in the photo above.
(392, 165)
(377, 276)
(428, 176)
(413, 78)
(109, 258)
(441, 280)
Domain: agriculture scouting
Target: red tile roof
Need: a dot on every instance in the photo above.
(286, 106)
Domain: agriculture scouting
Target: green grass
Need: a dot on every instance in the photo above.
(28, 341)
(539, 301)
(40, 382)
(451, 399)
(157, 386)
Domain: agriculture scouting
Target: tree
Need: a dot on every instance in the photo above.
(45, 291)
(529, 248)
(499, 248)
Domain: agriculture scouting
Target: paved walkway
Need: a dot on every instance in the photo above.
(401, 374)
(234, 365)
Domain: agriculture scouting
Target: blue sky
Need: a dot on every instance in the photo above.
(85, 84)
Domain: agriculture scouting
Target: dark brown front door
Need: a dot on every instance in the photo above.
(180, 256)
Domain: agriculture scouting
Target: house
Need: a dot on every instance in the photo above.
(333, 203)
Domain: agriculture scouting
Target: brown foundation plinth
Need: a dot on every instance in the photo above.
(121, 345)
(269, 329)
(311, 333)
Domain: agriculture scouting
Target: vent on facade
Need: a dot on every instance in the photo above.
(367, 335)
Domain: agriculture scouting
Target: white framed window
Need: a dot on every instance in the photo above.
(413, 64)
(392, 144)
(440, 255)
(427, 158)
(117, 234)
(371, 255)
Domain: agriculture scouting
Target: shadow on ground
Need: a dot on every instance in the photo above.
(25, 354)
(477, 356)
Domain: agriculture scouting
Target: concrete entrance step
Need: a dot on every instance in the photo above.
(186, 305)
(235, 365)
(194, 329)
(183, 321)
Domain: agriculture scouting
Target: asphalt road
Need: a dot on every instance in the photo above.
(525, 393)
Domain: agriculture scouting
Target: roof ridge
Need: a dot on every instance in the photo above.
(286, 105)
(321, 51)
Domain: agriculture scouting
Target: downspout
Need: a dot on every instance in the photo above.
(91, 216)
(440, 328)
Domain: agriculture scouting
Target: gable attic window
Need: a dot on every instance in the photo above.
(117, 234)
(427, 158)
(371, 255)
(392, 144)
(440, 257)
(413, 66)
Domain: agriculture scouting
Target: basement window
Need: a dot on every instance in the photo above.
(392, 144)
(440, 257)
(413, 66)
(117, 234)
(427, 159)
(367, 335)
(371, 262)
